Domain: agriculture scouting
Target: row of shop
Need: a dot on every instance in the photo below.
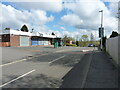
(41, 41)
(19, 38)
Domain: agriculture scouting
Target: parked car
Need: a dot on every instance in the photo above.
(90, 45)
(95, 45)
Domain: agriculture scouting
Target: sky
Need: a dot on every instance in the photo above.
(63, 17)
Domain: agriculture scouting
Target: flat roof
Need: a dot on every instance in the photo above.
(15, 32)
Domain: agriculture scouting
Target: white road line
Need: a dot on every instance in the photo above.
(85, 50)
(56, 59)
(17, 78)
(64, 50)
(18, 61)
(12, 62)
(60, 51)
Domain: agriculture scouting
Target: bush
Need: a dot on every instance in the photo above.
(52, 43)
(74, 45)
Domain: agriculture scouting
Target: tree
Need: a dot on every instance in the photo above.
(84, 40)
(7, 28)
(53, 33)
(78, 43)
(67, 39)
(91, 38)
(24, 28)
(84, 37)
(114, 34)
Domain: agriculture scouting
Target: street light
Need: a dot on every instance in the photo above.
(101, 29)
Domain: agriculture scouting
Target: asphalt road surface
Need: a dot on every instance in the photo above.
(64, 67)
(39, 67)
(9, 54)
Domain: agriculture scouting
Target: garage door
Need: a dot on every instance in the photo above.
(41, 43)
(24, 41)
(34, 42)
(45, 42)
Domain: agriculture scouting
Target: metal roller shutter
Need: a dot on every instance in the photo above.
(34, 42)
(45, 42)
(24, 41)
(40, 43)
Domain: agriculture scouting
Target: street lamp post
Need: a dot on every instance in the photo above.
(101, 47)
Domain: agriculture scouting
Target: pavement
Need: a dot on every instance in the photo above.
(102, 72)
(94, 71)
(75, 77)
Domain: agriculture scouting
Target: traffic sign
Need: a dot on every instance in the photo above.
(101, 32)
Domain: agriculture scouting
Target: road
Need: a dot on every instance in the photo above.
(41, 67)
(10, 54)
(65, 67)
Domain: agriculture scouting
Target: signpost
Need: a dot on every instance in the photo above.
(101, 29)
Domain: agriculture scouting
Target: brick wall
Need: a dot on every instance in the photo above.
(15, 40)
(4, 44)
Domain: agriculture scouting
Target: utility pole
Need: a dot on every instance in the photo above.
(101, 29)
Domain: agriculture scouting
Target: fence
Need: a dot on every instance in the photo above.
(113, 48)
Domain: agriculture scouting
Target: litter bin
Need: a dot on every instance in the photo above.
(55, 43)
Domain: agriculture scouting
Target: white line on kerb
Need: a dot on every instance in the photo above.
(17, 78)
(12, 62)
(56, 59)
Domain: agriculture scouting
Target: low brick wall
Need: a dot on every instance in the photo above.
(4, 44)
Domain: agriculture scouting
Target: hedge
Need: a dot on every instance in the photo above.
(74, 45)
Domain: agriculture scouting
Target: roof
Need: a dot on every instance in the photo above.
(15, 32)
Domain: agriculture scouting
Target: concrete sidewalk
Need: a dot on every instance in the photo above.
(93, 71)
(102, 72)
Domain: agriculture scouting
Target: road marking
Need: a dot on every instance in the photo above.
(19, 61)
(56, 59)
(85, 50)
(60, 51)
(12, 62)
(41, 55)
(64, 50)
(17, 78)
